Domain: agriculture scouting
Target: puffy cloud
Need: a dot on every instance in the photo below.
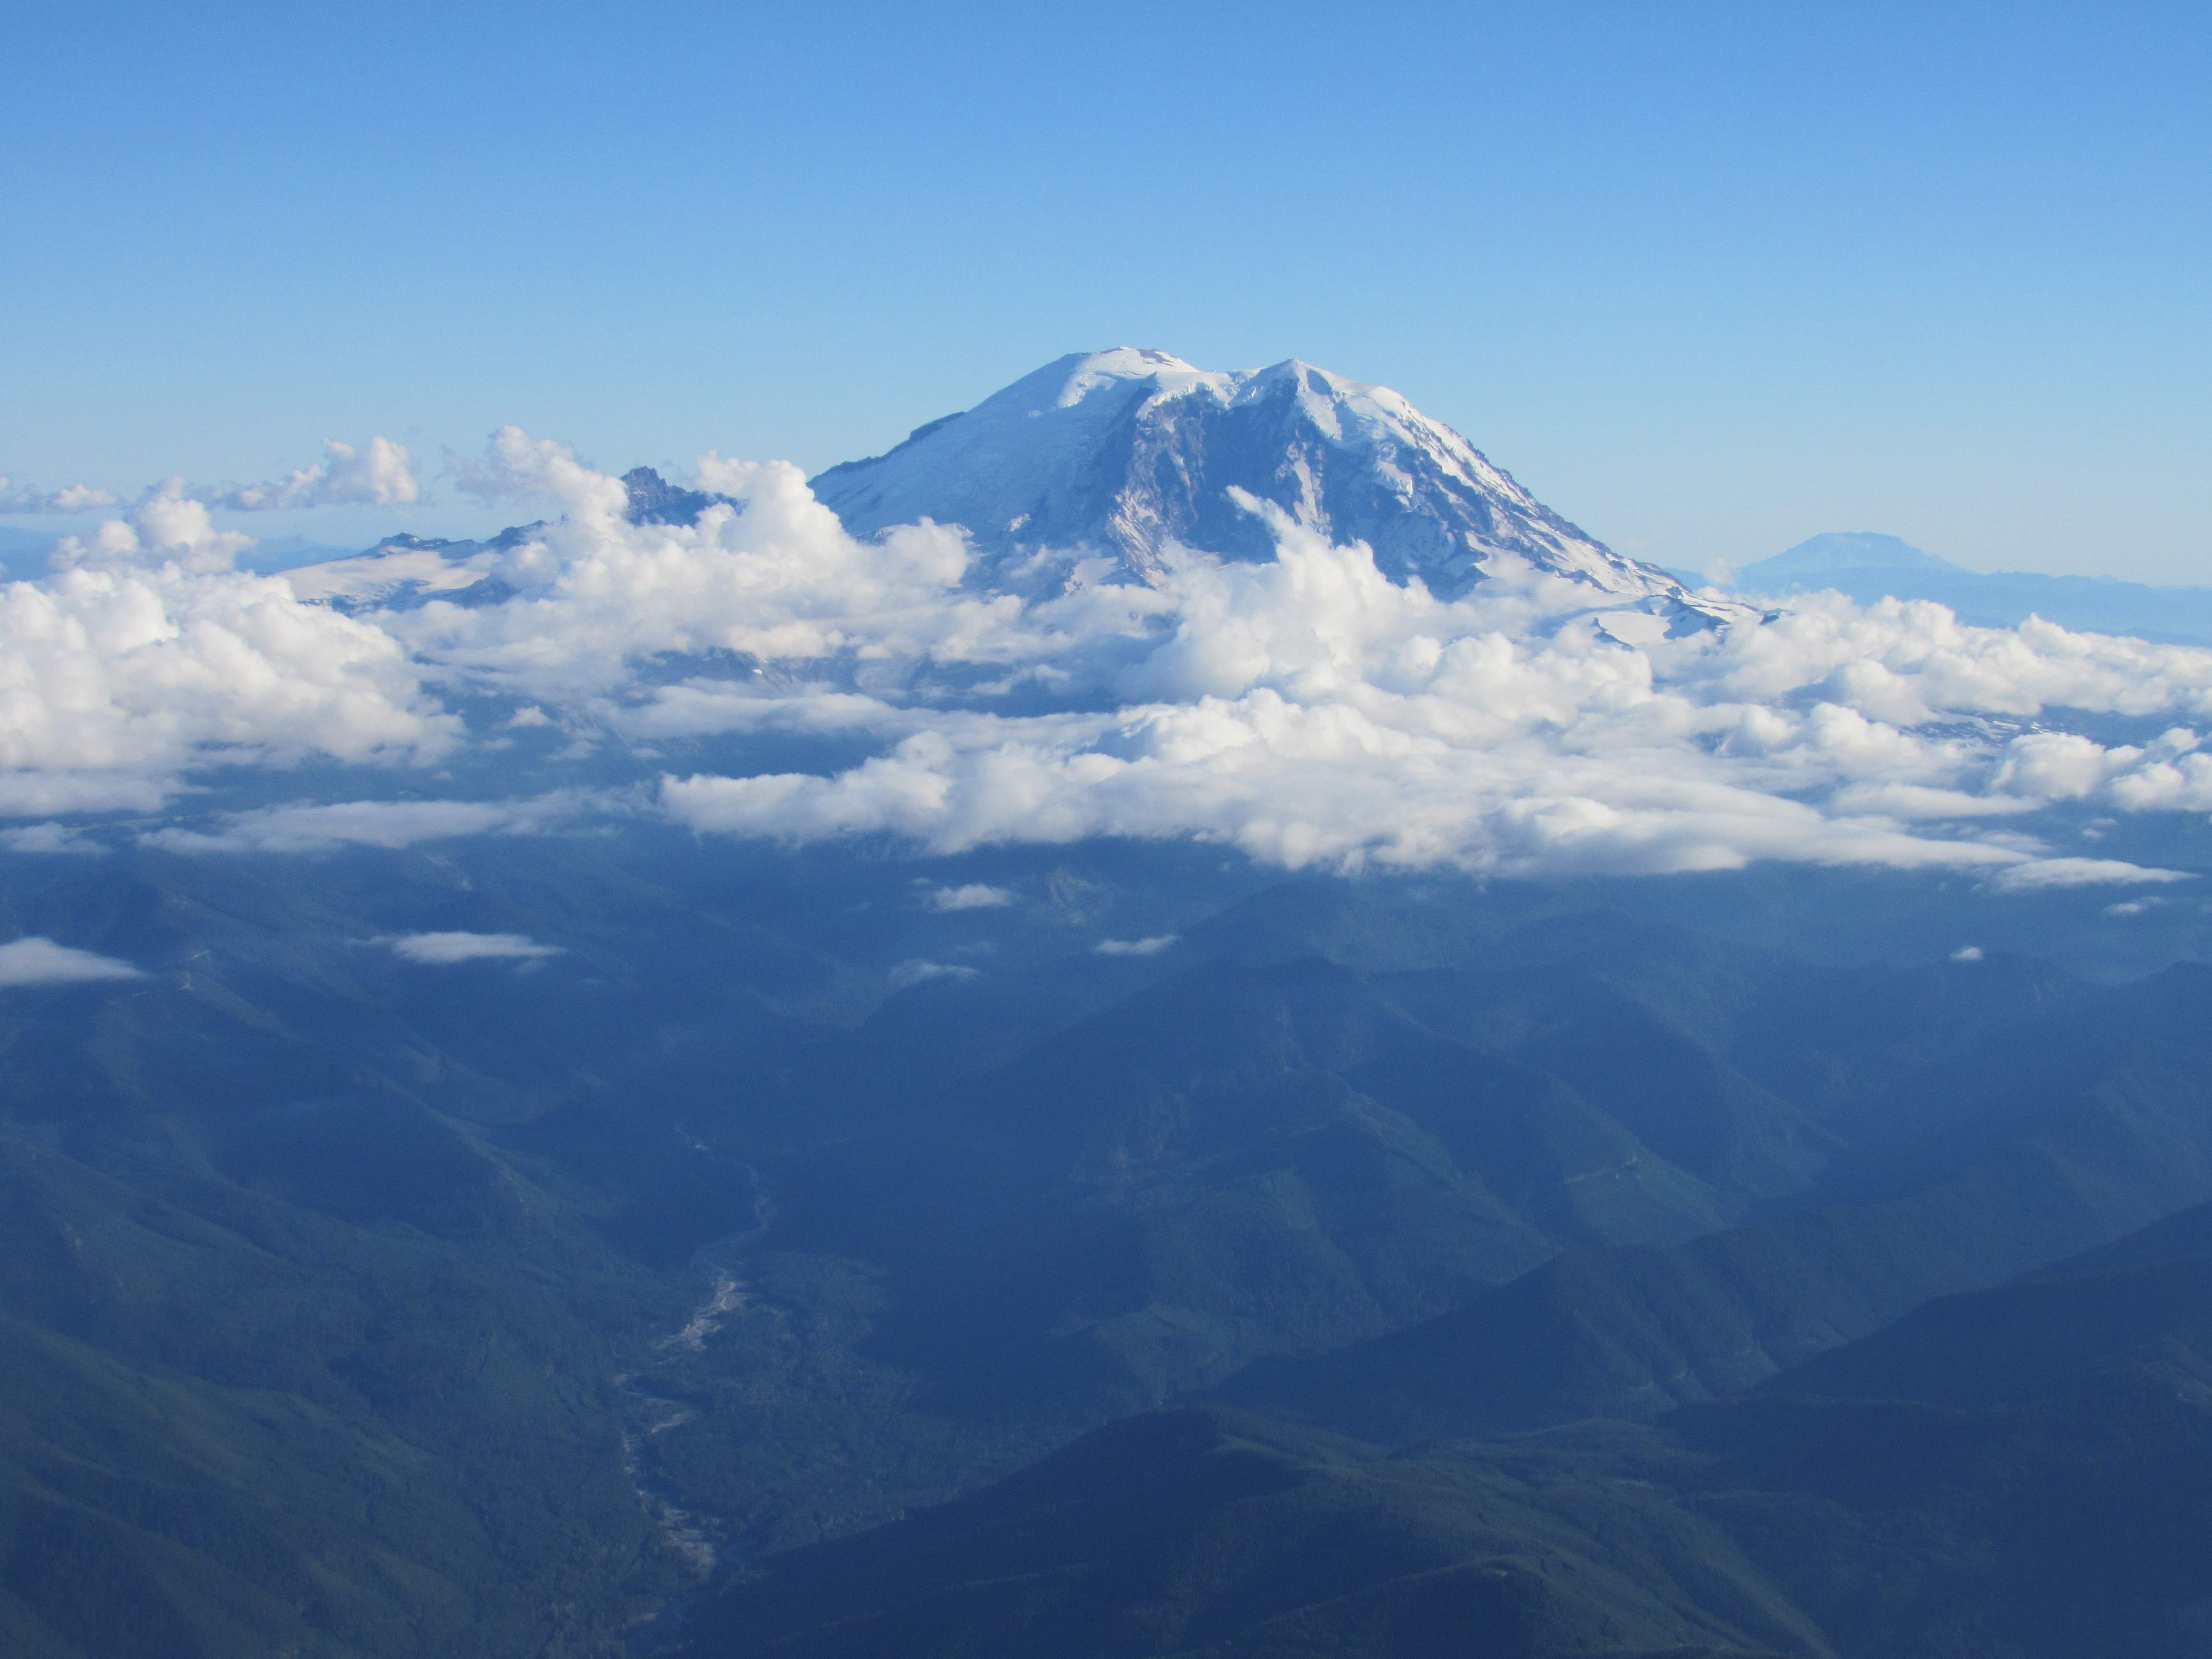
(775, 579)
(305, 827)
(1298, 786)
(381, 473)
(1908, 661)
(2165, 774)
(76, 498)
(1967, 953)
(1308, 711)
(114, 680)
(166, 527)
(38, 960)
(2054, 766)
(443, 950)
(1304, 710)
(1135, 947)
(146, 655)
(974, 895)
(514, 467)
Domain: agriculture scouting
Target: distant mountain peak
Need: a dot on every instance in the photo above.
(1868, 566)
(653, 499)
(1130, 450)
(1845, 549)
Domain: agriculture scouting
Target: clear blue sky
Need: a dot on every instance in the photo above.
(1709, 278)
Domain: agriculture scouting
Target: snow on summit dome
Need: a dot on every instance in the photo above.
(1129, 450)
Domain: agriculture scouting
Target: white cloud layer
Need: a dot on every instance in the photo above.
(2040, 875)
(305, 827)
(1306, 710)
(778, 582)
(115, 680)
(38, 960)
(974, 895)
(1310, 711)
(381, 473)
(443, 949)
(514, 467)
(166, 528)
(50, 838)
(918, 972)
(1135, 947)
(15, 497)
(146, 655)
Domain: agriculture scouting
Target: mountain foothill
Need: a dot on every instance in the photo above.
(1546, 1277)
(631, 1241)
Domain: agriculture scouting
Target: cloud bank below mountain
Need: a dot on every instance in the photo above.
(1304, 710)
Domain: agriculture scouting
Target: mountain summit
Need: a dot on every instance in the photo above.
(1839, 551)
(1129, 450)
(1125, 453)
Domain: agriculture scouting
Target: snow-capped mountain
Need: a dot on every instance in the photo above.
(1124, 453)
(403, 572)
(1127, 451)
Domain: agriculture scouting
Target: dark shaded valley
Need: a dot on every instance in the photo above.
(1323, 1268)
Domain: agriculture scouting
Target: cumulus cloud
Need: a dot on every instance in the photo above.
(974, 895)
(1310, 711)
(1304, 710)
(115, 680)
(146, 655)
(37, 960)
(16, 497)
(166, 527)
(443, 950)
(774, 580)
(1135, 947)
(514, 467)
(381, 473)
(1300, 784)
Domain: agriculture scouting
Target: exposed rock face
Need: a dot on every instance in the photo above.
(653, 499)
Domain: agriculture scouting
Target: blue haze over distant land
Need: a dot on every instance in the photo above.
(1868, 566)
(1702, 277)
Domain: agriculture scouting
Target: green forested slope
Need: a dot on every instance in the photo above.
(2044, 1139)
(1881, 1502)
(348, 1304)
